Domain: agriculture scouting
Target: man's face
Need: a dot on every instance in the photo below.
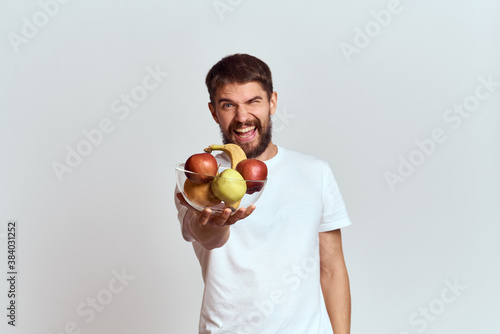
(243, 112)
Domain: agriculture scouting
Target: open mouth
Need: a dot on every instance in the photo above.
(246, 133)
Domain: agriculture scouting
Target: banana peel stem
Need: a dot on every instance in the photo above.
(233, 151)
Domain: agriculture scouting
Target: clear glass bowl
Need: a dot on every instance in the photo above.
(200, 196)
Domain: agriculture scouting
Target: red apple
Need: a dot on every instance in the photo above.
(201, 163)
(252, 169)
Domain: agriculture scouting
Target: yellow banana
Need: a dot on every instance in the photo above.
(233, 151)
(235, 154)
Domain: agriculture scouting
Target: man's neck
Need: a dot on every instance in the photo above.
(269, 153)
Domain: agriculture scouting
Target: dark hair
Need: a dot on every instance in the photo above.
(239, 68)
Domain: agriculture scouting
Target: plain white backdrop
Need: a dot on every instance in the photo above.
(363, 84)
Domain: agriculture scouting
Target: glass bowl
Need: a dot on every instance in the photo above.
(200, 196)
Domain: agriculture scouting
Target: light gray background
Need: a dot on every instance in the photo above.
(115, 210)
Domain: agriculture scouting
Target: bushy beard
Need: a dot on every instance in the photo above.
(265, 139)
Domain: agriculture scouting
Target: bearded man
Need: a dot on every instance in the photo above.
(278, 268)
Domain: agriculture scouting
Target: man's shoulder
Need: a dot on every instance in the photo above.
(302, 157)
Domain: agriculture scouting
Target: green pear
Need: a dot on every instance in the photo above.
(229, 186)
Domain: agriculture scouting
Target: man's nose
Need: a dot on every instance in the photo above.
(242, 114)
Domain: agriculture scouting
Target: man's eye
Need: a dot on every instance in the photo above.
(227, 105)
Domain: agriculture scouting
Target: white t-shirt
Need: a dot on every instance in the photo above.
(266, 278)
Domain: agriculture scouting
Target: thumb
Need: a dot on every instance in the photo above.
(182, 200)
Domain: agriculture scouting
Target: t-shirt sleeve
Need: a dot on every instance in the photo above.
(334, 211)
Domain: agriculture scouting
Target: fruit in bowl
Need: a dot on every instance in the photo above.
(234, 188)
(252, 169)
(229, 186)
(204, 167)
(200, 194)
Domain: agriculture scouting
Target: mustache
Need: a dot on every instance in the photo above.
(256, 123)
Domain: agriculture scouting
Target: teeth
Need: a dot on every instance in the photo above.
(245, 129)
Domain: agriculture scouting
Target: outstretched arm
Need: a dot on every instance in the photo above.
(335, 281)
(211, 231)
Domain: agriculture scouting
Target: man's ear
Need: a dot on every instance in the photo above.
(273, 102)
(212, 110)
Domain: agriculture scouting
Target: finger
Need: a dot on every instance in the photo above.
(224, 216)
(220, 219)
(249, 210)
(204, 216)
(240, 214)
(237, 216)
(243, 213)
